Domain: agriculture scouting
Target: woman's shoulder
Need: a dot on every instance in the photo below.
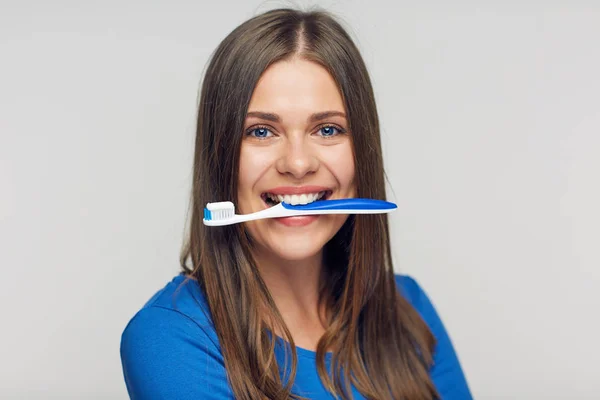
(181, 296)
(172, 339)
(446, 372)
(177, 311)
(410, 289)
(414, 293)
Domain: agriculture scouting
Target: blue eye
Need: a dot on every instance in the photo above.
(260, 132)
(329, 130)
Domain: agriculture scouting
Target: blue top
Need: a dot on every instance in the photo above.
(170, 350)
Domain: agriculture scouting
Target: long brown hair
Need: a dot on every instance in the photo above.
(380, 343)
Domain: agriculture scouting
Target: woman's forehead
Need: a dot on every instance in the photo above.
(296, 86)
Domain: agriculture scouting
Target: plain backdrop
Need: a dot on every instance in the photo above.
(490, 117)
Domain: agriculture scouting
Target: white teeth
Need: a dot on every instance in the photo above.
(294, 199)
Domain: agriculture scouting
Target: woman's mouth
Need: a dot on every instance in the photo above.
(272, 199)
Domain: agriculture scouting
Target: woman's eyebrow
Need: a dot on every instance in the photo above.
(313, 118)
(264, 115)
(324, 115)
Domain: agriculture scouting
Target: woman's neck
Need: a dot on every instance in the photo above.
(294, 287)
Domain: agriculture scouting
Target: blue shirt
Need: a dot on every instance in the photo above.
(170, 350)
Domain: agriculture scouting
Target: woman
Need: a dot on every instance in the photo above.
(294, 307)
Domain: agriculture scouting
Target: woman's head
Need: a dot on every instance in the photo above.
(293, 67)
(287, 105)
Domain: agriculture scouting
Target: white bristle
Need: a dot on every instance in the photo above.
(221, 210)
(222, 205)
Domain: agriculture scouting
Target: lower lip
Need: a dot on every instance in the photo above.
(297, 221)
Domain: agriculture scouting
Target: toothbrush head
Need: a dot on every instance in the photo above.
(219, 211)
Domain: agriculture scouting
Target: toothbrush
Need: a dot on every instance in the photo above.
(223, 213)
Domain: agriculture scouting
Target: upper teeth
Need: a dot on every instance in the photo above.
(296, 198)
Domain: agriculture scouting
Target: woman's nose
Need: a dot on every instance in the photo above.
(297, 158)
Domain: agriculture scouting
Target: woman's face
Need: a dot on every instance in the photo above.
(296, 148)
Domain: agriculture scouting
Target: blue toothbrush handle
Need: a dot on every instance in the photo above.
(344, 204)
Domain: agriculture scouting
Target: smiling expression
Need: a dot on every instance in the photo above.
(296, 148)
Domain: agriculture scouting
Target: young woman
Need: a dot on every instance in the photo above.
(299, 307)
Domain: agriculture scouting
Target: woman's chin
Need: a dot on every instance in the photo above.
(295, 247)
(295, 238)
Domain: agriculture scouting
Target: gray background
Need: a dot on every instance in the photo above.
(491, 121)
